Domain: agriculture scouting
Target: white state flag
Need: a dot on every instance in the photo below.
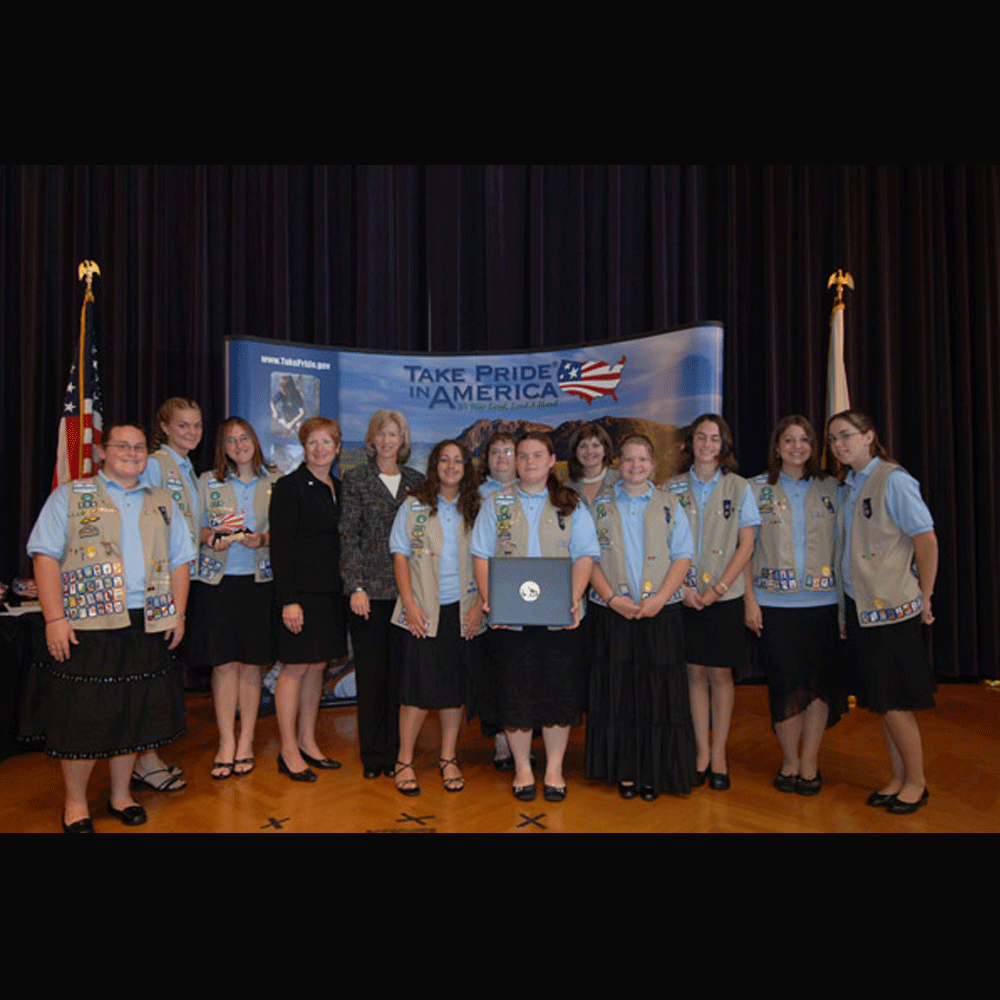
(836, 375)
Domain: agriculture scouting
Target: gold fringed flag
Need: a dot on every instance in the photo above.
(80, 423)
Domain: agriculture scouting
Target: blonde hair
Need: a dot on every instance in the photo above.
(166, 413)
(379, 419)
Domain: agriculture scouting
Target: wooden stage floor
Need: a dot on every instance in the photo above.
(960, 743)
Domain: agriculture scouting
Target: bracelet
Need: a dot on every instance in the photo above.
(722, 585)
(52, 621)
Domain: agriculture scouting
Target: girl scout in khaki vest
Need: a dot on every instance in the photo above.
(438, 605)
(791, 600)
(887, 557)
(538, 670)
(639, 732)
(232, 633)
(722, 513)
(111, 560)
(177, 433)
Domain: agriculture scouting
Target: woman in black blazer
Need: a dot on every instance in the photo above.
(305, 558)
(372, 495)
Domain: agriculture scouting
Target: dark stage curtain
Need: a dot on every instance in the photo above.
(461, 258)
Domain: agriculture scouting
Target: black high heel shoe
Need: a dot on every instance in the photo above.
(304, 775)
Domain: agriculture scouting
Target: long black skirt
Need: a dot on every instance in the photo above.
(538, 678)
(436, 671)
(893, 670)
(117, 694)
(639, 715)
(803, 658)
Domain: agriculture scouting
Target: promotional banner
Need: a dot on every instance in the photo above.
(655, 384)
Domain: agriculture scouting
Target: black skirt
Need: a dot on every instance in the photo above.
(233, 623)
(803, 658)
(538, 679)
(324, 631)
(639, 715)
(892, 668)
(117, 694)
(436, 671)
(716, 637)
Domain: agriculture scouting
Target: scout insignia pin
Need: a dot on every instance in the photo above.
(727, 509)
(866, 507)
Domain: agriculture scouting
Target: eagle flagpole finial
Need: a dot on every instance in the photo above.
(87, 269)
(840, 279)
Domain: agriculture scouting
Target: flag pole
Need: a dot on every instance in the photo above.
(85, 271)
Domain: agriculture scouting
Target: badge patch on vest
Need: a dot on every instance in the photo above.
(866, 507)
(828, 504)
(208, 567)
(727, 509)
(666, 514)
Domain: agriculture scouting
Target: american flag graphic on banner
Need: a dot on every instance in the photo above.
(588, 379)
(80, 423)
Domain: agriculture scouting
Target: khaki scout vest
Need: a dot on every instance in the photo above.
(554, 529)
(176, 484)
(722, 531)
(93, 570)
(883, 569)
(774, 554)
(426, 540)
(219, 501)
(658, 522)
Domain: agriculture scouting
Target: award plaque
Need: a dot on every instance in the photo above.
(531, 592)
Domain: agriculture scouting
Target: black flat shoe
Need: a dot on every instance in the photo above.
(648, 793)
(303, 775)
(371, 773)
(525, 793)
(84, 825)
(553, 793)
(900, 808)
(627, 790)
(503, 763)
(130, 815)
(786, 782)
(699, 778)
(323, 763)
(880, 801)
(809, 786)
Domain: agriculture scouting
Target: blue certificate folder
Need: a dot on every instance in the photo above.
(531, 592)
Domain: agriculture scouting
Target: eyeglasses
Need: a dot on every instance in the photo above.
(242, 439)
(501, 452)
(842, 437)
(123, 449)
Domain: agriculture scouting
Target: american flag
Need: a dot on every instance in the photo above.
(80, 424)
(231, 523)
(588, 379)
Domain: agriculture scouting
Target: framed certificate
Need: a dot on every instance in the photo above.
(531, 592)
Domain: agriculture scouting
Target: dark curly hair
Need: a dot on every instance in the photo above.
(468, 488)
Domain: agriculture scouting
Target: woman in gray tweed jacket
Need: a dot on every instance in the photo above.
(372, 494)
